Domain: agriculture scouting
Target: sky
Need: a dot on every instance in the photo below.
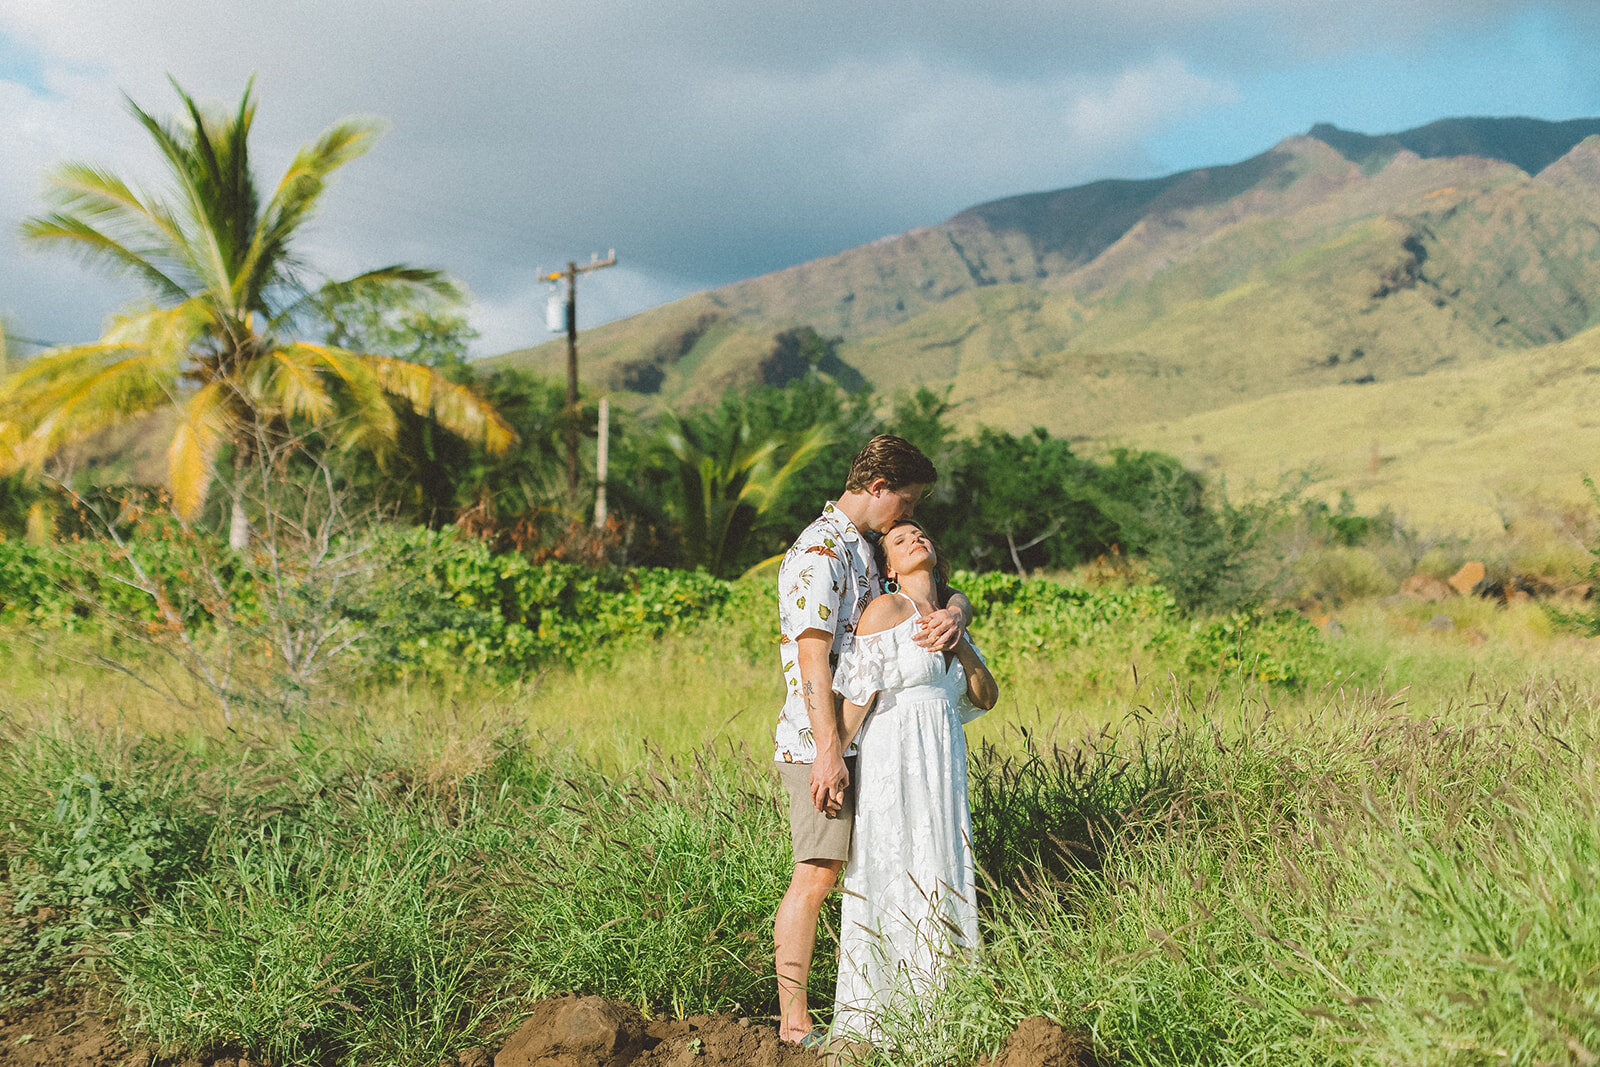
(711, 140)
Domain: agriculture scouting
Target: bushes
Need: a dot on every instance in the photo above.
(422, 597)
(502, 611)
(90, 838)
(1281, 649)
(440, 602)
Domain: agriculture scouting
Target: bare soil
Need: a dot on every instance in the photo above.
(62, 1029)
(75, 1029)
(1042, 1042)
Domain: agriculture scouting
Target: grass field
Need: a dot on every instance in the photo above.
(1393, 862)
(1463, 449)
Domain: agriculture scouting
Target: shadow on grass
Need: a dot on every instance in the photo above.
(1045, 814)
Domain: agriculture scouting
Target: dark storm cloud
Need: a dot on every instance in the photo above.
(706, 141)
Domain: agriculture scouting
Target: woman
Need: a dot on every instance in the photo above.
(908, 885)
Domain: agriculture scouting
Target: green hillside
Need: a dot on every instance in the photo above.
(1464, 449)
(1333, 258)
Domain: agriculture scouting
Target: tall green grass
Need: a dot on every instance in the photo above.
(1192, 869)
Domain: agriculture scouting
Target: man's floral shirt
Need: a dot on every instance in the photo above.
(827, 579)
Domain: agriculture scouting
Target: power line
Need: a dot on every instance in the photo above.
(450, 213)
(34, 341)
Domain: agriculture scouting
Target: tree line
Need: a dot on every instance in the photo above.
(249, 373)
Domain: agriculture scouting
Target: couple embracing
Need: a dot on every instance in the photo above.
(880, 678)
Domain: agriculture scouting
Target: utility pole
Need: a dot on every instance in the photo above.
(571, 276)
(601, 464)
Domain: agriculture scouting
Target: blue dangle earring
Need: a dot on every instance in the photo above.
(891, 586)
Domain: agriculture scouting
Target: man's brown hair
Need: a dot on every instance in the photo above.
(894, 459)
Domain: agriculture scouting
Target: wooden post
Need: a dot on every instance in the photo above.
(572, 378)
(601, 462)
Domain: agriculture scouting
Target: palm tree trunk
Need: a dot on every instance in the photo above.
(41, 527)
(239, 525)
(239, 521)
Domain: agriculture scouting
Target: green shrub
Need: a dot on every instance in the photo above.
(1442, 561)
(420, 600)
(108, 847)
(1282, 648)
(1584, 621)
(426, 598)
(1213, 555)
(1337, 574)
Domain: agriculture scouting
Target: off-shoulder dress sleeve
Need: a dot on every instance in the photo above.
(965, 707)
(869, 664)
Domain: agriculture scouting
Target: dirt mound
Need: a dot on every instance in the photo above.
(1042, 1042)
(74, 1030)
(591, 1032)
(61, 1030)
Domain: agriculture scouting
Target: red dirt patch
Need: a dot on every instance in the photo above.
(1041, 1042)
(591, 1032)
(60, 1029)
(73, 1029)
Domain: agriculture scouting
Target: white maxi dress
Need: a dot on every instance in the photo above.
(909, 908)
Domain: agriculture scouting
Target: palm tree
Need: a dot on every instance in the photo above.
(229, 296)
(730, 477)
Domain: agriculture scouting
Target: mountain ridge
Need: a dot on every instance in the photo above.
(1331, 256)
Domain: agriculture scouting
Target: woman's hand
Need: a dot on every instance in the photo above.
(940, 631)
(830, 777)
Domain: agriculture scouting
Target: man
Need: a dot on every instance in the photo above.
(827, 578)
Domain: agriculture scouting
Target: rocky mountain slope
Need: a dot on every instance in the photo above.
(1333, 259)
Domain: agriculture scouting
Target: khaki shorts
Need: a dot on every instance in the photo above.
(815, 836)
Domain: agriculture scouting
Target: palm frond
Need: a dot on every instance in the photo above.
(215, 208)
(74, 406)
(762, 493)
(295, 198)
(170, 332)
(373, 424)
(164, 334)
(295, 382)
(94, 246)
(98, 196)
(297, 191)
(458, 408)
(202, 430)
(730, 479)
(396, 277)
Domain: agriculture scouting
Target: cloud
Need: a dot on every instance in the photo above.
(705, 140)
(1140, 100)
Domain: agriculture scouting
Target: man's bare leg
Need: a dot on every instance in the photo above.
(794, 936)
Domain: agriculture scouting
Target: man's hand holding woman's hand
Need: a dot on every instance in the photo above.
(939, 631)
(829, 779)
